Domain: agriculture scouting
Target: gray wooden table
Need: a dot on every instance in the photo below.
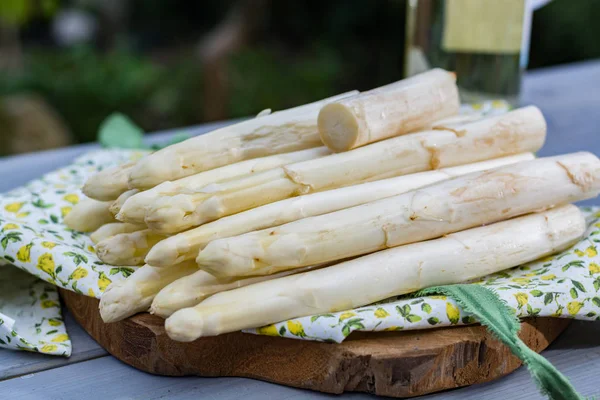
(568, 95)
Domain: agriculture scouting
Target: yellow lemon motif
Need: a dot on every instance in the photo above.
(548, 277)
(54, 322)
(13, 207)
(24, 253)
(46, 263)
(546, 259)
(573, 307)
(531, 274)
(48, 245)
(579, 253)
(392, 328)
(296, 328)
(498, 104)
(71, 198)
(270, 330)
(79, 273)
(91, 249)
(91, 293)
(10, 226)
(22, 214)
(558, 312)
(49, 304)
(522, 299)
(381, 313)
(64, 211)
(347, 315)
(521, 280)
(103, 282)
(591, 251)
(63, 337)
(453, 313)
(594, 268)
(48, 348)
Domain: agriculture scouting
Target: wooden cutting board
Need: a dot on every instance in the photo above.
(398, 364)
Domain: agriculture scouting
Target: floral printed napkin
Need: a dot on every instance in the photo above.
(30, 317)
(33, 238)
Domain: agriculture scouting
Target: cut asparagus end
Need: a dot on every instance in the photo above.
(399, 108)
(341, 126)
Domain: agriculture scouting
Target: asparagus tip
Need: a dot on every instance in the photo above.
(185, 325)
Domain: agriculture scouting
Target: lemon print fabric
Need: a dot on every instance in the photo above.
(30, 315)
(34, 238)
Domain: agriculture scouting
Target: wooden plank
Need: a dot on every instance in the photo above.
(108, 378)
(398, 364)
(576, 353)
(16, 363)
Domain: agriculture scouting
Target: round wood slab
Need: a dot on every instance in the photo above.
(398, 364)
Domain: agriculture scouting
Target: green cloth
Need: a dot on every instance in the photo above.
(494, 314)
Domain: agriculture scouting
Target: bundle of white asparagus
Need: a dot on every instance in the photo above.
(519, 131)
(455, 258)
(259, 222)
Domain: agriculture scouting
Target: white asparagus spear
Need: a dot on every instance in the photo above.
(524, 128)
(118, 203)
(134, 209)
(127, 248)
(489, 138)
(134, 294)
(113, 229)
(455, 258)
(396, 109)
(108, 184)
(89, 215)
(186, 245)
(433, 211)
(191, 290)
(276, 133)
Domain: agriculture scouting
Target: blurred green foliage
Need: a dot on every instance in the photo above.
(19, 12)
(565, 31)
(303, 51)
(86, 86)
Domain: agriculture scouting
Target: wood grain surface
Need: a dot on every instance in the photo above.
(398, 364)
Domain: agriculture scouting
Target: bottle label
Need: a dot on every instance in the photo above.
(483, 26)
